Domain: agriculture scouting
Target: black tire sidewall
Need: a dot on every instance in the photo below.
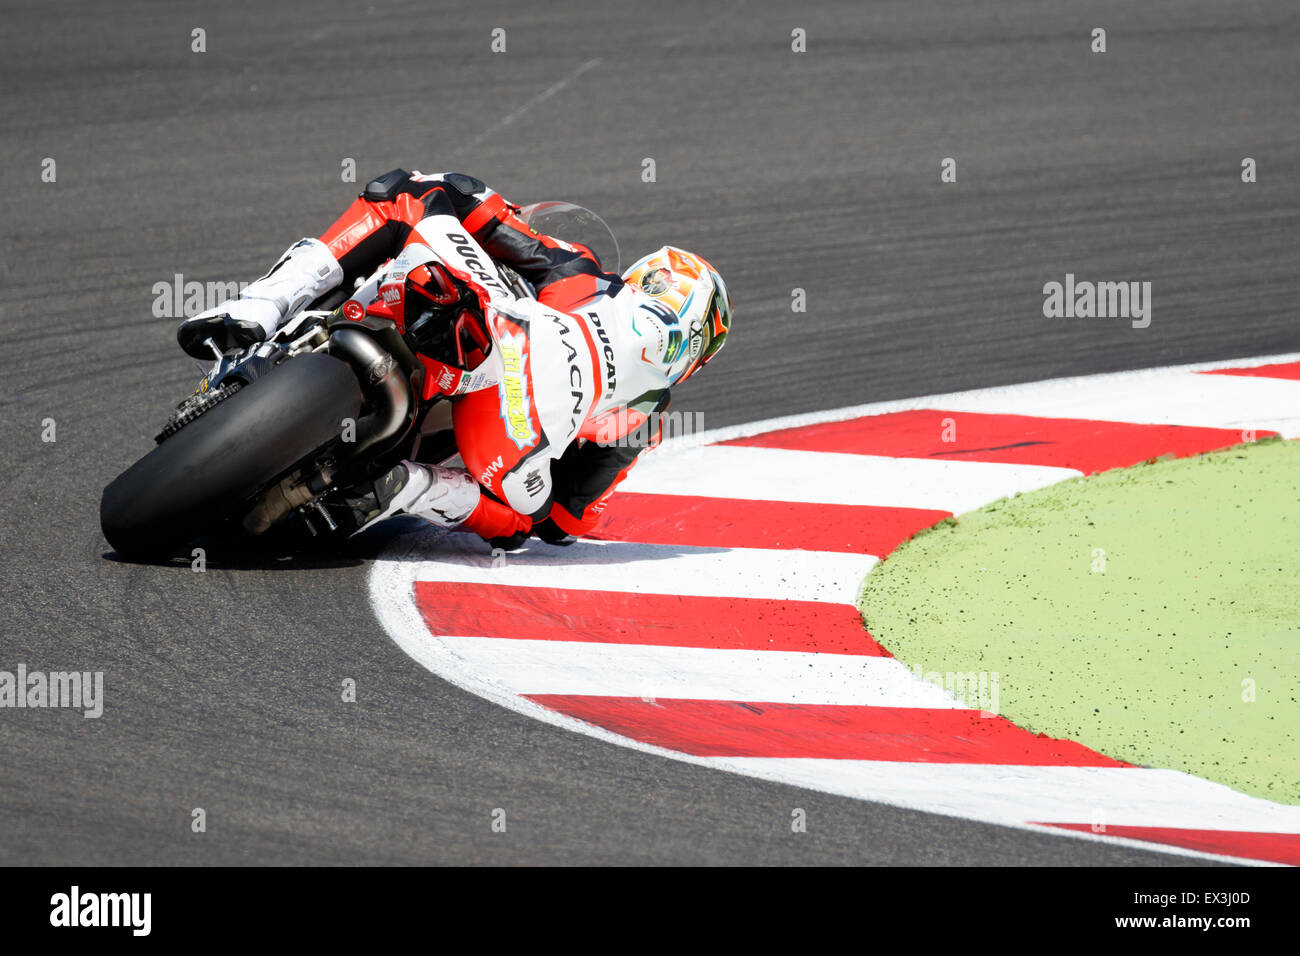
(211, 467)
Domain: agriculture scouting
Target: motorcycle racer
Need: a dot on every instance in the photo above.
(554, 396)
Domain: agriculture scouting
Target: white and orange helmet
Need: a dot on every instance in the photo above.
(692, 290)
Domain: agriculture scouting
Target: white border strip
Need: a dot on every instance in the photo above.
(1011, 392)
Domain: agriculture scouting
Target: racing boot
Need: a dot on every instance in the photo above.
(444, 496)
(305, 272)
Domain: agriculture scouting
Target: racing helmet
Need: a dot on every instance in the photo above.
(695, 294)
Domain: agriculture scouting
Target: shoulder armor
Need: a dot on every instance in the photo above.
(385, 187)
(466, 185)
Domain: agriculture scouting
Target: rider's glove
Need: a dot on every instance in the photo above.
(509, 542)
(552, 533)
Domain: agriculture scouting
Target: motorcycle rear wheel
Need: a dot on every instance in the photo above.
(207, 471)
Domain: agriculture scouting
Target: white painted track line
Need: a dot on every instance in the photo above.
(651, 569)
(778, 474)
(694, 673)
(1118, 796)
(1155, 398)
(1023, 400)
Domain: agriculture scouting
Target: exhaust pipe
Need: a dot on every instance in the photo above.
(382, 382)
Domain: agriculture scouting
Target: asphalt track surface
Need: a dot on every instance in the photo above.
(817, 170)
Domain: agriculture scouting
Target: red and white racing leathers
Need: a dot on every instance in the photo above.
(573, 388)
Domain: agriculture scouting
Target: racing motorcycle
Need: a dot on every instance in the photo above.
(279, 434)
